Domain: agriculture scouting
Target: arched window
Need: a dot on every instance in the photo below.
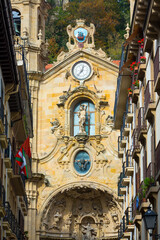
(89, 124)
(17, 22)
(82, 162)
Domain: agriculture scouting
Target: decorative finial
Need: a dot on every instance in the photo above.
(127, 31)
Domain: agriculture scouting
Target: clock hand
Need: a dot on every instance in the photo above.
(80, 70)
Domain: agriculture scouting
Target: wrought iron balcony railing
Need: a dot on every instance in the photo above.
(157, 64)
(129, 160)
(157, 161)
(142, 126)
(149, 96)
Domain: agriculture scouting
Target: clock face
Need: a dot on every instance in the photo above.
(81, 70)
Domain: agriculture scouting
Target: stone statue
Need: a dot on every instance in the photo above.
(56, 218)
(82, 118)
(55, 124)
(88, 232)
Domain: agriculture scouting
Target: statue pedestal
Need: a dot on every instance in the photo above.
(81, 138)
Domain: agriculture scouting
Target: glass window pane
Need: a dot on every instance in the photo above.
(76, 119)
(86, 122)
(91, 107)
(92, 130)
(76, 130)
(92, 118)
(86, 129)
(77, 108)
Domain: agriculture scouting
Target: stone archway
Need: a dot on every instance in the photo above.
(69, 213)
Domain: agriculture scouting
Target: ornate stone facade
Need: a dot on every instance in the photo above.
(72, 193)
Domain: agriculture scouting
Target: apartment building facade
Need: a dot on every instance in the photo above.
(137, 115)
(15, 126)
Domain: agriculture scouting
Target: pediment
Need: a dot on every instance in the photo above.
(65, 59)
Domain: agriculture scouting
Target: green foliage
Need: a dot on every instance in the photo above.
(109, 17)
(147, 183)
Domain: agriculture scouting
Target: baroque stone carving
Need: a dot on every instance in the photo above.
(88, 232)
(55, 124)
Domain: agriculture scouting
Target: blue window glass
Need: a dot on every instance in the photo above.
(90, 118)
(82, 162)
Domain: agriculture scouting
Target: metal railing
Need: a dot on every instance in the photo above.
(10, 218)
(150, 170)
(2, 194)
(156, 64)
(8, 153)
(136, 144)
(16, 169)
(1, 109)
(157, 159)
(129, 160)
(141, 120)
(135, 206)
(128, 215)
(120, 184)
(149, 94)
(129, 106)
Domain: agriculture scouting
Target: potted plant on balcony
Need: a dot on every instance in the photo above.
(130, 222)
(134, 66)
(136, 84)
(142, 59)
(141, 42)
(130, 92)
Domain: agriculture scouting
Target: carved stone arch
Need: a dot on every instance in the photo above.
(72, 186)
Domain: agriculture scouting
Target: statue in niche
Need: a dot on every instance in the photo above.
(88, 232)
(82, 118)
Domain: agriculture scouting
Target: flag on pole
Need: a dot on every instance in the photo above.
(23, 158)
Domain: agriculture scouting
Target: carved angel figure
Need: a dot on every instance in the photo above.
(55, 124)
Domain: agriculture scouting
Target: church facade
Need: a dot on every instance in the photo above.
(75, 166)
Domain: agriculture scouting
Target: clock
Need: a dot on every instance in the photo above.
(81, 70)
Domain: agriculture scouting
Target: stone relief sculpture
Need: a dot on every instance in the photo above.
(88, 232)
(82, 118)
(56, 218)
(55, 124)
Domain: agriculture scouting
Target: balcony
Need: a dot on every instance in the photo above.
(120, 150)
(129, 111)
(152, 189)
(26, 124)
(143, 202)
(136, 145)
(7, 155)
(157, 71)
(141, 71)
(10, 224)
(129, 169)
(121, 188)
(125, 127)
(136, 213)
(24, 204)
(1, 116)
(149, 104)
(2, 200)
(17, 179)
(129, 220)
(142, 126)
(125, 179)
(123, 83)
(135, 93)
(157, 163)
